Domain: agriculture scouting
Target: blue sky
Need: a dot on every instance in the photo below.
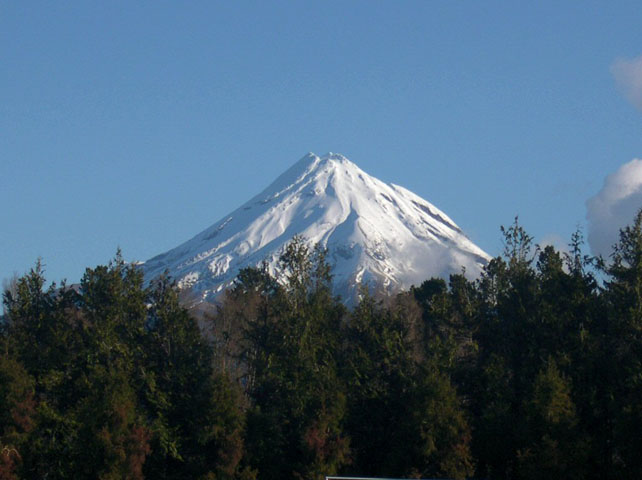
(138, 124)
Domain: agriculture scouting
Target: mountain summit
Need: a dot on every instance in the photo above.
(376, 233)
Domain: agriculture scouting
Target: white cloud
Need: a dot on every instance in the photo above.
(614, 207)
(628, 76)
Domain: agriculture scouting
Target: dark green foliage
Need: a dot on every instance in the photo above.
(404, 416)
(623, 341)
(17, 412)
(298, 403)
(111, 381)
(534, 316)
(556, 447)
(530, 372)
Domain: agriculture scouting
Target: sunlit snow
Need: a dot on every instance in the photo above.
(377, 233)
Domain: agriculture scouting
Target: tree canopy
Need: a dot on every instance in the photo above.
(532, 371)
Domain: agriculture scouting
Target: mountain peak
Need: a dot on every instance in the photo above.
(375, 232)
(312, 162)
(336, 157)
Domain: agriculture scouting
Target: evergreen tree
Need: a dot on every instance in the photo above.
(294, 425)
(196, 416)
(533, 371)
(17, 415)
(624, 295)
(508, 358)
(556, 447)
(120, 384)
(404, 417)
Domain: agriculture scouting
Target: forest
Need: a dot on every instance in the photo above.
(533, 371)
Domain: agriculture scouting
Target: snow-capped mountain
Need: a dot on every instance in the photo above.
(377, 233)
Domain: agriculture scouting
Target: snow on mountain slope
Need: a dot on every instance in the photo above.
(377, 233)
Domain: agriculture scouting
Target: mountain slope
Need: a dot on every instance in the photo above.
(377, 233)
